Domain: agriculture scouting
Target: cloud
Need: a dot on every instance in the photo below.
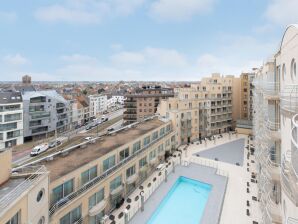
(8, 16)
(79, 58)
(86, 11)
(153, 57)
(179, 10)
(15, 60)
(282, 12)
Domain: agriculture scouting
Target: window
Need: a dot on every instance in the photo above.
(284, 71)
(114, 184)
(72, 217)
(108, 163)
(97, 218)
(10, 107)
(136, 146)
(293, 68)
(162, 131)
(62, 190)
(130, 171)
(8, 126)
(152, 154)
(168, 142)
(124, 154)
(1, 136)
(142, 162)
(41, 220)
(13, 134)
(12, 117)
(88, 175)
(154, 135)
(160, 148)
(40, 195)
(146, 140)
(15, 219)
(168, 128)
(96, 198)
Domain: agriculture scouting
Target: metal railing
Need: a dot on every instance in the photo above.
(66, 200)
(294, 133)
(291, 220)
(289, 179)
(31, 174)
(289, 98)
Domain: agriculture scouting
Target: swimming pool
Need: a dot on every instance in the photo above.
(184, 203)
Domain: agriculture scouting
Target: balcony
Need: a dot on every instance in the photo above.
(271, 87)
(272, 129)
(273, 168)
(273, 207)
(289, 178)
(289, 99)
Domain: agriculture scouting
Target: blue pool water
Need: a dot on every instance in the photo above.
(184, 203)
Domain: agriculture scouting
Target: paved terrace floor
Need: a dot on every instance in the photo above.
(231, 152)
(204, 174)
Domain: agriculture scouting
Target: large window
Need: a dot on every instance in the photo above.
(12, 117)
(168, 128)
(154, 135)
(88, 175)
(15, 219)
(96, 198)
(114, 184)
(146, 140)
(124, 154)
(130, 171)
(8, 126)
(143, 162)
(10, 107)
(136, 146)
(37, 108)
(1, 136)
(72, 217)
(293, 68)
(40, 99)
(160, 148)
(108, 163)
(62, 190)
(13, 134)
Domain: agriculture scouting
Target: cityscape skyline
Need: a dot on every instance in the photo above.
(138, 40)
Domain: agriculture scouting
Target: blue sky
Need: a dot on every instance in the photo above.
(138, 39)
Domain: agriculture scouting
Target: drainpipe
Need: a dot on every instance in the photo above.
(173, 167)
(166, 175)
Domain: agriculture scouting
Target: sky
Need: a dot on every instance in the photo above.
(168, 40)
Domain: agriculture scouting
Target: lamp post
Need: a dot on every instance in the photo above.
(142, 200)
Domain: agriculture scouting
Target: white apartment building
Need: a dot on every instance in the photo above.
(115, 100)
(275, 130)
(11, 119)
(98, 104)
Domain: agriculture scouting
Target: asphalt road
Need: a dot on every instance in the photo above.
(76, 136)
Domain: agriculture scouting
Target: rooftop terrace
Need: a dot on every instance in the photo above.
(64, 164)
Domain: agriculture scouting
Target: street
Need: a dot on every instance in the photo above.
(22, 154)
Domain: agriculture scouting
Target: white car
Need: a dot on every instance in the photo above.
(88, 138)
(39, 149)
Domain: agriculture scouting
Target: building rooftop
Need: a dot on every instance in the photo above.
(10, 97)
(64, 164)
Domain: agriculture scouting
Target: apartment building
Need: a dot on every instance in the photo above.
(275, 130)
(89, 181)
(11, 119)
(45, 112)
(98, 104)
(143, 103)
(115, 101)
(23, 193)
(246, 106)
(86, 108)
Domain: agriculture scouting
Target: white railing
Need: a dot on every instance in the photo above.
(66, 200)
(209, 163)
(32, 175)
(292, 220)
(289, 98)
(294, 134)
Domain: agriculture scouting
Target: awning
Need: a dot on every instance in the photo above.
(97, 208)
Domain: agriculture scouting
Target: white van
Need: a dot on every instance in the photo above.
(39, 149)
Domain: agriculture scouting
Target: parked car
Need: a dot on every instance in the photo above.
(88, 127)
(77, 126)
(88, 138)
(39, 149)
(54, 143)
(111, 129)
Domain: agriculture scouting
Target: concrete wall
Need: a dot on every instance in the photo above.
(5, 161)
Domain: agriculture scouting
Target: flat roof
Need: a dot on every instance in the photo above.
(62, 165)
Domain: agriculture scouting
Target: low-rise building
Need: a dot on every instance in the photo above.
(98, 104)
(11, 119)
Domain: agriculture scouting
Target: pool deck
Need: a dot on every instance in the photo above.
(204, 174)
(234, 207)
(231, 152)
